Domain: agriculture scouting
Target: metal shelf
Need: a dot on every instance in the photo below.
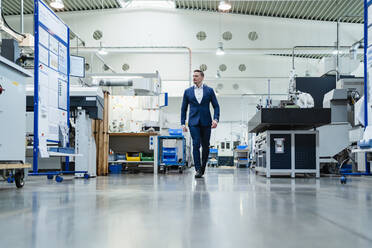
(131, 162)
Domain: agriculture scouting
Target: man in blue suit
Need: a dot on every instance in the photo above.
(199, 97)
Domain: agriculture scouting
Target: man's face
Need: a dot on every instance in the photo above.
(197, 78)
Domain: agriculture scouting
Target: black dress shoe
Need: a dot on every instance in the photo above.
(203, 170)
(198, 175)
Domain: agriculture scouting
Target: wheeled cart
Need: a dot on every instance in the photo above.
(213, 157)
(172, 156)
(12, 172)
(241, 156)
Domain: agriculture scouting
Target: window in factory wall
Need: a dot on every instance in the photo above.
(227, 145)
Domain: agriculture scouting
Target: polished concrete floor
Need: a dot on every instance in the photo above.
(229, 208)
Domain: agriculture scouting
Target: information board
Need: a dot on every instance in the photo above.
(77, 66)
(51, 85)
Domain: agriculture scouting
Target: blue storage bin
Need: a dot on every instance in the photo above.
(170, 150)
(174, 132)
(169, 155)
(242, 147)
(115, 168)
(68, 150)
(111, 157)
(365, 144)
(212, 150)
(120, 157)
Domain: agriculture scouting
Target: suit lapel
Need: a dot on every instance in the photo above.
(193, 94)
(204, 93)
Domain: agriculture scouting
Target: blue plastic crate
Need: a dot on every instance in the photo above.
(212, 150)
(115, 168)
(120, 157)
(68, 150)
(175, 132)
(365, 144)
(242, 147)
(169, 150)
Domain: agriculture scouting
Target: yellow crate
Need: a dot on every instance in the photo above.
(129, 158)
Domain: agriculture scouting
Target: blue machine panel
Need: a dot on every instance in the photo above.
(280, 160)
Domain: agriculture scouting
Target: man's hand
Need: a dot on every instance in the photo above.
(214, 124)
(184, 128)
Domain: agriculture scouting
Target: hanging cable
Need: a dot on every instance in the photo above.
(6, 24)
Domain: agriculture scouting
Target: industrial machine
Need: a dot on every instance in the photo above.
(346, 129)
(284, 143)
(86, 105)
(225, 154)
(13, 121)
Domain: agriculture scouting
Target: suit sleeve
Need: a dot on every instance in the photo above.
(185, 104)
(216, 107)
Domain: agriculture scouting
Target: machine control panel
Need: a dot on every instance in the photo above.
(151, 142)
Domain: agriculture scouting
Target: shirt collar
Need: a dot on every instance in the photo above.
(201, 86)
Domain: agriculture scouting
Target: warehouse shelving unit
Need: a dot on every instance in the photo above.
(135, 142)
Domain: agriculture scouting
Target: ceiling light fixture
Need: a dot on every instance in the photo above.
(57, 4)
(224, 5)
(220, 51)
(166, 4)
(218, 74)
(354, 50)
(102, 50)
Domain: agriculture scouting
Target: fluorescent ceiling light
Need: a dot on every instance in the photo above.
(220, 51)
(167, 4)
(224, 6)
(335, 52)
(57, 4)
(102, 50)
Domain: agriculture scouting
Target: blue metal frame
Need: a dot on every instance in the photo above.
(37, 24)
(36, 89)
(366, 4)
(166, 99)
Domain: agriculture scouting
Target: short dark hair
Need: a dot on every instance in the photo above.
(201, 72)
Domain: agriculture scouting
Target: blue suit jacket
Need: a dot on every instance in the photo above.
(199, 113)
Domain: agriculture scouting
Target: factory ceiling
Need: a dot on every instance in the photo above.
(321, 10)
(12, 7)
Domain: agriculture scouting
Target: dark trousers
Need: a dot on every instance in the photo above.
(200, 137)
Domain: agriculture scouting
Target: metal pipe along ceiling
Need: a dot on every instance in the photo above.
(189, 51)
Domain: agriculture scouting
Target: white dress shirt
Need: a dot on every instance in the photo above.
(198, 91)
